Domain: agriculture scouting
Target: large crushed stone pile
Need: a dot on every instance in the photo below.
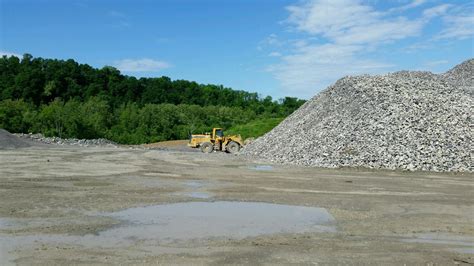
(461, 76)
(10, 141)
(405, 120)
(73, 142)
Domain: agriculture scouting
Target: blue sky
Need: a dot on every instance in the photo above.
(274, 47)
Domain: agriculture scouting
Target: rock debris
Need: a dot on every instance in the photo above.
(73, 142)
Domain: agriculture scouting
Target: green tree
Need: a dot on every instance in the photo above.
(16, 115)
(95, 118)
(68, 99)
(52, 119)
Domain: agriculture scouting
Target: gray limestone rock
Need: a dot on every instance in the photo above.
(404, 120)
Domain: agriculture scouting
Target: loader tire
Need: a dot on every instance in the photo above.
(207, 147)
(233, 147)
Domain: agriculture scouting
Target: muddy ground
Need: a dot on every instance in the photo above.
(58, 206)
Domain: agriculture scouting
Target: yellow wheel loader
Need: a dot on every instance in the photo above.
(216, 141)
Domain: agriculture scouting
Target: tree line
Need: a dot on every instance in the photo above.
(67, 99)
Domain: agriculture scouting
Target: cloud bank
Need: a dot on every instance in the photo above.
(341, 37)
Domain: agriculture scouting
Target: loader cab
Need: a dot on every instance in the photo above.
(217, 133)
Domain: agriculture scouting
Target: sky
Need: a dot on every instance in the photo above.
(274, 47)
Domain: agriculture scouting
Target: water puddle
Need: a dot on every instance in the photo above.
(261, 167)
(6, 223)
(460, 244)
(219, 219)
(194, 184)
(13, 224)
(161, 224)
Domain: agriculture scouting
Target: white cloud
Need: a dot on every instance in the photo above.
(412, 4)
(271, 40)
(328, 18)
(458, 21)
(341, 35)
(436, 11)
(274, 54)
(380, 31)
(120, 19)
(313, 67)
(418, 46)
(8, 54)
(350, 21)
(458, 27)
(435, 63)
(141, 65)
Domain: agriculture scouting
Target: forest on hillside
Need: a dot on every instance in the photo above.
(71, 100)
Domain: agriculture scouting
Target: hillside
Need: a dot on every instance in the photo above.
(67, 99)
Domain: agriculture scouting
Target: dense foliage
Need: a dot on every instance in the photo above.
(255, 128)
(67, 99)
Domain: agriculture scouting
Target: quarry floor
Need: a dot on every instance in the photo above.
(58, 206)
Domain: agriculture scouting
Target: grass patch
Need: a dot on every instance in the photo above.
(255, 128)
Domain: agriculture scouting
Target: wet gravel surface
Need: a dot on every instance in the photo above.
(63, 205)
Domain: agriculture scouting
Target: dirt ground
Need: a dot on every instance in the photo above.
(55, 204)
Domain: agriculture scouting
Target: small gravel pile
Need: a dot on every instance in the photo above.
(405, 120)
(10, 141)
(72, 142)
